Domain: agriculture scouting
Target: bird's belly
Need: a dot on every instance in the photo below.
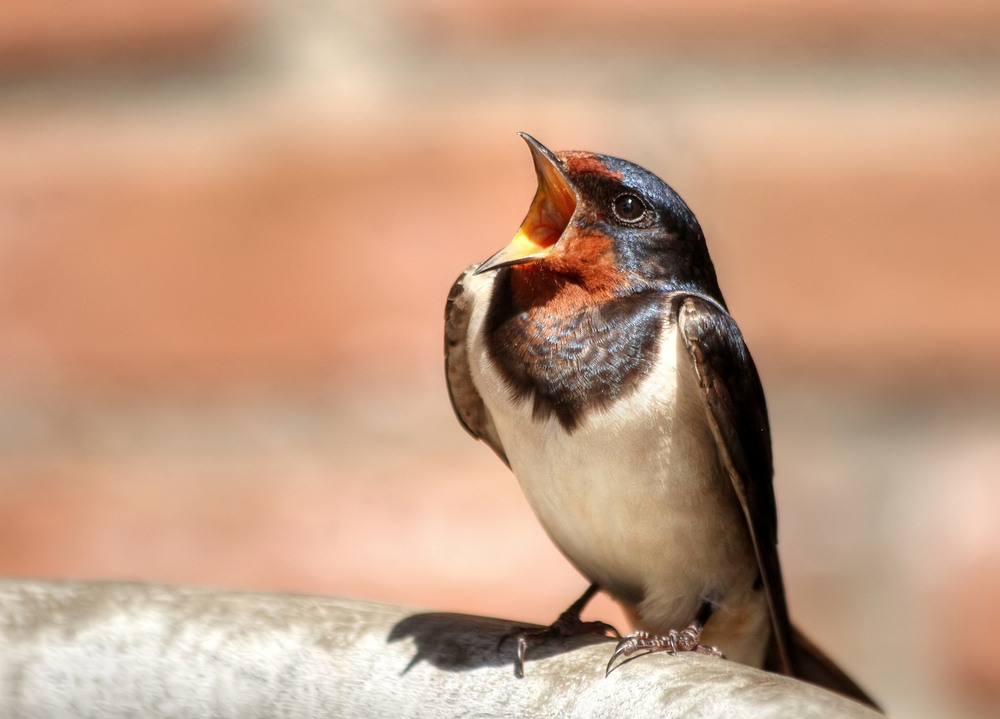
(636, 495)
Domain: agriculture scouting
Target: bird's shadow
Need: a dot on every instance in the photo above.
(462, 642)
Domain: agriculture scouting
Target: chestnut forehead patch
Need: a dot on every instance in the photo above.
(589, 163)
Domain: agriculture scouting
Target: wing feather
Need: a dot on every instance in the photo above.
(465, 398)
(738, 415)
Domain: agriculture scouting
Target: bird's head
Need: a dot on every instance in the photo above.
(608, 225)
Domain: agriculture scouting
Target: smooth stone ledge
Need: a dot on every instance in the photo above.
(113, 649)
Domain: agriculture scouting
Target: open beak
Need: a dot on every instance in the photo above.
(547, 218)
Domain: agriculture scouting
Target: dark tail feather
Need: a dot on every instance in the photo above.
(812, 665)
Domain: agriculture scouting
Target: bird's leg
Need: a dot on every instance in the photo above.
(567, 625)
(638, 644)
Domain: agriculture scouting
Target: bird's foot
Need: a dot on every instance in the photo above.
(567, 625)
(638, 644)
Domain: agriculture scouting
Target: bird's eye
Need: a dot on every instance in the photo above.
(629, 208)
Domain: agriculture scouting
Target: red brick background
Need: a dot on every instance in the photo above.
(227, 231)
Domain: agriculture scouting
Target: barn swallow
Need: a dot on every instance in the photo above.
(596, 356)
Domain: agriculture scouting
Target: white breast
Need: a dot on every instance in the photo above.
(635, 496)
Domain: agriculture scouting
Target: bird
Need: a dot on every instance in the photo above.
(596, 356)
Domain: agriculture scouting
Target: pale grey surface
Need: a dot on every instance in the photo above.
(103, 649)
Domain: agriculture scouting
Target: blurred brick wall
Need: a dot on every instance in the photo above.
(718, 27)
(221, 224)
(58, 35)
(227, 230)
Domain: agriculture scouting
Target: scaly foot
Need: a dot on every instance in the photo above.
(567, 625)
(638, 644)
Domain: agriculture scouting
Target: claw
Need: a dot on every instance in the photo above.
(562, 628)
(639, 644)
(567, 625)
